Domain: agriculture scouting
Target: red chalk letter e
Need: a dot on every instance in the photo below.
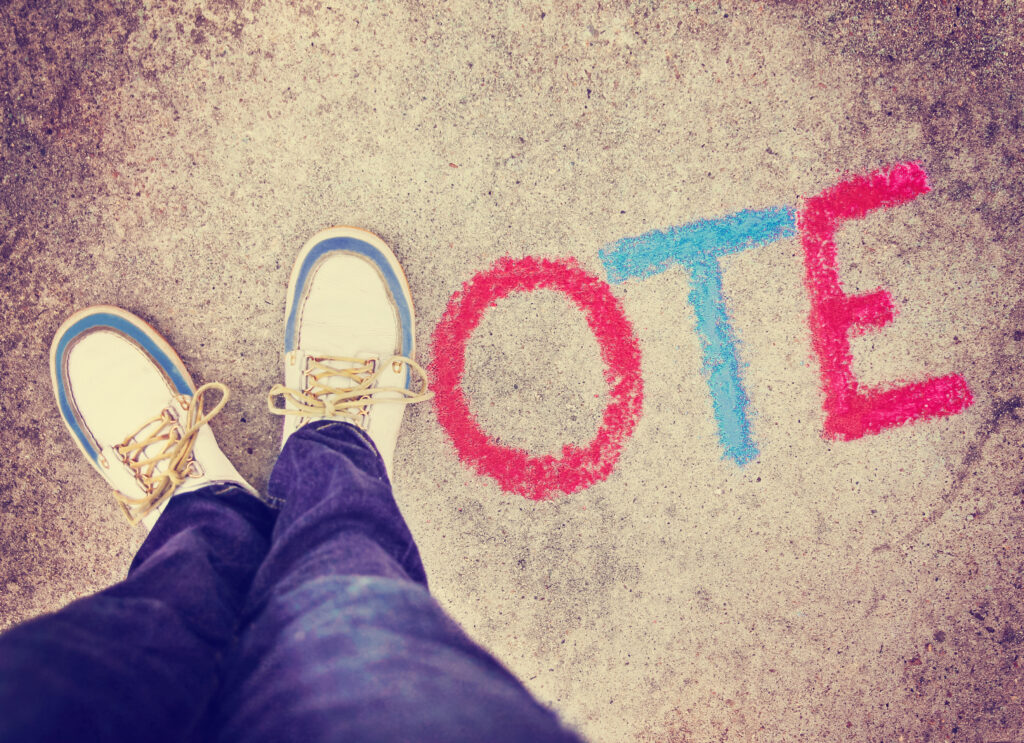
(849, 411)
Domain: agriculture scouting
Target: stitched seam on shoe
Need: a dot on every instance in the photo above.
(303, 298)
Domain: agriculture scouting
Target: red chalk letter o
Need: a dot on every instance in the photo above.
(514, 469)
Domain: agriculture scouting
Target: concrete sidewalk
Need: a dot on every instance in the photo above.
(172, 159)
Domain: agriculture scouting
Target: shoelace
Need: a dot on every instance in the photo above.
(161, 471)
(321, 400)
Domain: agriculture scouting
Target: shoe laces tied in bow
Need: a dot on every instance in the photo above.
(323, 398)
(159, 454)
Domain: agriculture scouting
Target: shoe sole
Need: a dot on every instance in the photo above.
(367, 245)
(135, 330)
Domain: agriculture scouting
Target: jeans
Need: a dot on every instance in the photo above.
(239, 622)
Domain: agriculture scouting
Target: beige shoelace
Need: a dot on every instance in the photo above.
(321, 400)
(161, 471)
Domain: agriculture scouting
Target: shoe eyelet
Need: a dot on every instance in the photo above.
(397, 366)
(195, 469)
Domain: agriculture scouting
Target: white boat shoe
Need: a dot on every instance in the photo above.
(135, 412)
(349, 339)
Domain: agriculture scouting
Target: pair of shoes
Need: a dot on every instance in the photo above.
(137, 415)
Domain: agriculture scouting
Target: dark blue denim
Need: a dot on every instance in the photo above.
(241, 623)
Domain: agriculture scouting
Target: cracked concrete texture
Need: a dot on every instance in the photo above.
(172, 158)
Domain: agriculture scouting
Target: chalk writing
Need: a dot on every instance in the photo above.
(514, 469)
(851, 412)
(698, 246)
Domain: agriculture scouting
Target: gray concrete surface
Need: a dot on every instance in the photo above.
(171, 158)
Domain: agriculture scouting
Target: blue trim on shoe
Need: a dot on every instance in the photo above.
(365, 249)
(89, 323)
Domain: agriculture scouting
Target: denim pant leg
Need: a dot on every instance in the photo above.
(342, 641)
(140, 660)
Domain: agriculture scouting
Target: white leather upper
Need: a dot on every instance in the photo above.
(104, 366)
(347, 302)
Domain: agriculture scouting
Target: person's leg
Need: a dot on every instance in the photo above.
(342, 640)
(139, 660)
